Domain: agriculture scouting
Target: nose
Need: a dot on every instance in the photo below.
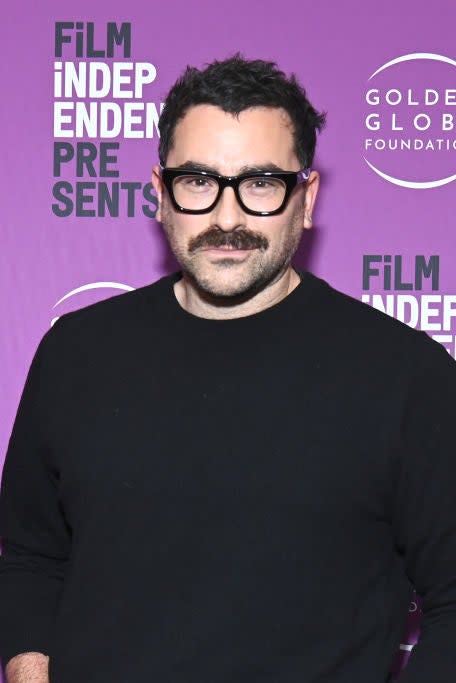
(227, 214)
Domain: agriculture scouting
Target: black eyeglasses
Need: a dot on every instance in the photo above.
(260, 193)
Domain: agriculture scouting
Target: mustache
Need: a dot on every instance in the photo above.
(237, 239)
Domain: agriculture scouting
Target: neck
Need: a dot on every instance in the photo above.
(204, 306)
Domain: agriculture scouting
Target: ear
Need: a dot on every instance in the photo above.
(157, 183)
(311, 194)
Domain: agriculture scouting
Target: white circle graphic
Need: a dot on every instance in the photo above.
(88, 287)
(402, 182)
(412, 57)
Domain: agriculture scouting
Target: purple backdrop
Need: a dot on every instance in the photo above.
(384, 232)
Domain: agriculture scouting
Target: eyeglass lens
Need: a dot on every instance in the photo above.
(258, 194)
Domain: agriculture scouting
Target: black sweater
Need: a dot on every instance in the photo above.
(191, 500)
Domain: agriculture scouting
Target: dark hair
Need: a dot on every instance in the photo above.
(237, 84)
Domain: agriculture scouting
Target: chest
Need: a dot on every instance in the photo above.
(311, 434)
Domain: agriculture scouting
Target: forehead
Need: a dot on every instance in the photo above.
(227, 142)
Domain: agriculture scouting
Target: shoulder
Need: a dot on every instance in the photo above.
(358, 328)
(109, 325)
(120, 309)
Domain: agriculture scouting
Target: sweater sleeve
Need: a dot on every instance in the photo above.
(35, 538)
(425, 511)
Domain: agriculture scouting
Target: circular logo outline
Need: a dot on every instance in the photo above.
(88, 287)
(414, 185)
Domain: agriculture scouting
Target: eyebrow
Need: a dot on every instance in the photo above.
(260, 168)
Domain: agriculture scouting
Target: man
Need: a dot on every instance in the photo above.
(236, 473)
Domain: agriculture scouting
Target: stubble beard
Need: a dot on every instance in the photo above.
(264, 266)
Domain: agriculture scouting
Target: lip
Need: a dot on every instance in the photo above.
(226, 251)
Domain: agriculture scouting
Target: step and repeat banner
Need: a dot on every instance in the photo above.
(82, 88)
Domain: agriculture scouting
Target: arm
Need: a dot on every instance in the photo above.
(425, 510)
(35, 537)
(29, 667)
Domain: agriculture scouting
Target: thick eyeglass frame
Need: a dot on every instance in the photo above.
(291, 179)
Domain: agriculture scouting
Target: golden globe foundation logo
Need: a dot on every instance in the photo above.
(87, 294)
(410, 121)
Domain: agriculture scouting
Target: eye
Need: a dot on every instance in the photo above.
(197, 181)
(260, 183)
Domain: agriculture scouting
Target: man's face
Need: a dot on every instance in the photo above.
(227, 252)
